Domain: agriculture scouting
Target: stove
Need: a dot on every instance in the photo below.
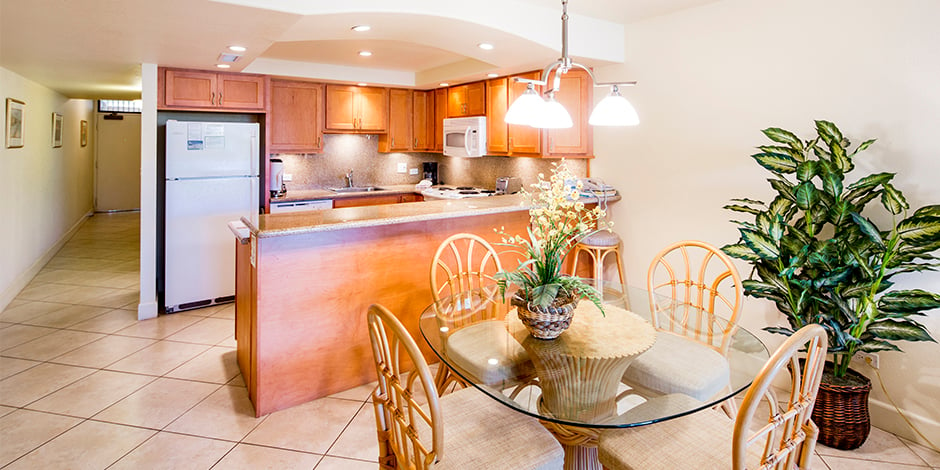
(456, 192)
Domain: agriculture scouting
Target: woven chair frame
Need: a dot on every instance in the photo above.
(693, 289)
(398, 415)
(789, 436)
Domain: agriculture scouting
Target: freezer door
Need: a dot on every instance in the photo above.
(200, 253)
(198, 149)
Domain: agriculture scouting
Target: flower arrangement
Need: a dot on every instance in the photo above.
(559, 220)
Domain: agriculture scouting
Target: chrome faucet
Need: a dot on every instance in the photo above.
(349, 180)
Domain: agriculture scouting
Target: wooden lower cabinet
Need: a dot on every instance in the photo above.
(375, 200)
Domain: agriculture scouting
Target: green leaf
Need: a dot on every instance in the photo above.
(920, 230)
(856, 290)
(763, 246)
(776, 228)
(739, 208)
(782, 136)
(829, 132)
(876, 345)
(783, 187)
(776, 162)
(748, 201)
(793, 153)
(863, 146)
(908, 301)
(806, 195)
(905, 330)
(893, 200)
(780, 205)
(752, 287)
(778, 330)
(832, 183)
(866, 183)
(868, 228)
(740, 251)
(805, 171)
(931, 211)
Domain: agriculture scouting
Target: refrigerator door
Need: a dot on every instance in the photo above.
(199, 149)
(200, 257)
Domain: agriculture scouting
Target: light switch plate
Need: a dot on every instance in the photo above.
(402, 167)
(413, 171)
(288, 177)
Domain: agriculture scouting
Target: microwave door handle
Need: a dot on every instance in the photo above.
(466, 140)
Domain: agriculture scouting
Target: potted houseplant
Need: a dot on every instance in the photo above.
(819, 257)
(546, 297)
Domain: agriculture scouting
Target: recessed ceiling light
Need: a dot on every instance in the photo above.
(443, 84)
(359, 28)
(492, 75)
(237, 48)
(365, 53)
(485, 46)
(223, 66)
(362, 84)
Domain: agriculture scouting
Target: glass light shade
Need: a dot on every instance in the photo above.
(614, 110)
(553, 116)
(526, 109)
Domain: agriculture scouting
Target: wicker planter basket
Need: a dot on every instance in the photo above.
(841, 412)
(548, 322)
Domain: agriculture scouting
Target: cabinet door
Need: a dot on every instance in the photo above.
(456, 101)
(341, 108)
(422, 124)
(240, 91)
(497, 134)
(476, 99)
(440, 112)
(400, 111)
(191, 89)
(366, 200)
(295, 120)
(373, 109)
(523, 139)
(575, 95)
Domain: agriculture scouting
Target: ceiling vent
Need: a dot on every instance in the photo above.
(229, 58)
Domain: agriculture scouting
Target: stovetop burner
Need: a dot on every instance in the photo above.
(466, 188)
(457, 192)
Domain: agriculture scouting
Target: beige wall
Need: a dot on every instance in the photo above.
(710, 78)
(44, 192)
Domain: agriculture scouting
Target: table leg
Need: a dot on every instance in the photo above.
(580, 445)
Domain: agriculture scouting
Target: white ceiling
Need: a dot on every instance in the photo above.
(93, 48)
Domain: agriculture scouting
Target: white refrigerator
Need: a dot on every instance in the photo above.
(211, 179)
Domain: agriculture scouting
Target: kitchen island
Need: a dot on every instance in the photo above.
(305, 280)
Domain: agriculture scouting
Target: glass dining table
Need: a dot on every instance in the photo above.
(573, 384)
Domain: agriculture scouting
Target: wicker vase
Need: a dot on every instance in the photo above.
(841, 412)
(545, 322)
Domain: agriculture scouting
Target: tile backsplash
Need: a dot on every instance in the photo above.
(344, 152)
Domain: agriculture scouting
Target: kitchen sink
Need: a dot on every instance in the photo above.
(356, 189)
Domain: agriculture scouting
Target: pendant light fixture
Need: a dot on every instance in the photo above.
(530, 109)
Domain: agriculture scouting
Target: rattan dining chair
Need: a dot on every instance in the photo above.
(709, 440)
(695, 301)
(480, 433)
(467, 263)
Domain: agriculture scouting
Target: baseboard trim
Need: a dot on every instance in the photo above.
(27, 276)
(884, 416)
(147, 310)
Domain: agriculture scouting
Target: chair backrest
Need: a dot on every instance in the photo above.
(463, 263)
(400, 420)
(695, 291)
(789, 437)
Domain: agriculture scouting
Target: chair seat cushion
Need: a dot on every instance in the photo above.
(486, 351)
(480, 433)
(676, 364)
(702, 441)
(602, 238)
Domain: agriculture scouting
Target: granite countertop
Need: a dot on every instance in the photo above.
(298, 223)
(295, 195)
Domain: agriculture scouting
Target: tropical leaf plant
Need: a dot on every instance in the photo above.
(818, 257)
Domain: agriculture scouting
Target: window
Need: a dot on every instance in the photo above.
(119, 106)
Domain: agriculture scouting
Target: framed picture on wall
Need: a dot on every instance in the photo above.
(15, 125)
(84, 133)
(56, 130)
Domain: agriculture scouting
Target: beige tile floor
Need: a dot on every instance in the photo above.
(83, 384)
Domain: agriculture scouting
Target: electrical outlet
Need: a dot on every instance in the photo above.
(288, 177)
(403, 167)
(870, 358)
(413, 171)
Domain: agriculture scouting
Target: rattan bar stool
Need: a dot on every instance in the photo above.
(598, 246)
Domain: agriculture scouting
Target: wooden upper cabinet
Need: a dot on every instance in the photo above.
(523, 139)
(400, 118)
(467, 100)
(440, 112)
(422, 124)
(497, 102)
(196, 89)
(356, 109)
(295, 117)
(575, 94)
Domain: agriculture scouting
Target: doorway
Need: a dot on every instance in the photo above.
(117, 162)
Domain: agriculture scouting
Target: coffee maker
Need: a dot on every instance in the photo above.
(430, 172)
(276, 181)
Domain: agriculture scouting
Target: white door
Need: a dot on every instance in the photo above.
(117, 163)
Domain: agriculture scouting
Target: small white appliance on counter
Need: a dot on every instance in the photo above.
(211, 179)
(465, 137)
(301, 206)
(276, 182)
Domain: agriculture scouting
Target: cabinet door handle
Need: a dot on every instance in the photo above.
(212, 99)
(416, 142)
(318, 141)
(551, 144)
(220, 99)
(393, 141)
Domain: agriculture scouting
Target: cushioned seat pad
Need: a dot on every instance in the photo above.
(602, 238)
(678, 365)
(486, 351)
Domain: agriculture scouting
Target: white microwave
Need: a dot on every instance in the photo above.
(465, 137)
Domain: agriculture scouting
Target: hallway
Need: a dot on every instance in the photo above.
(83, 384)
